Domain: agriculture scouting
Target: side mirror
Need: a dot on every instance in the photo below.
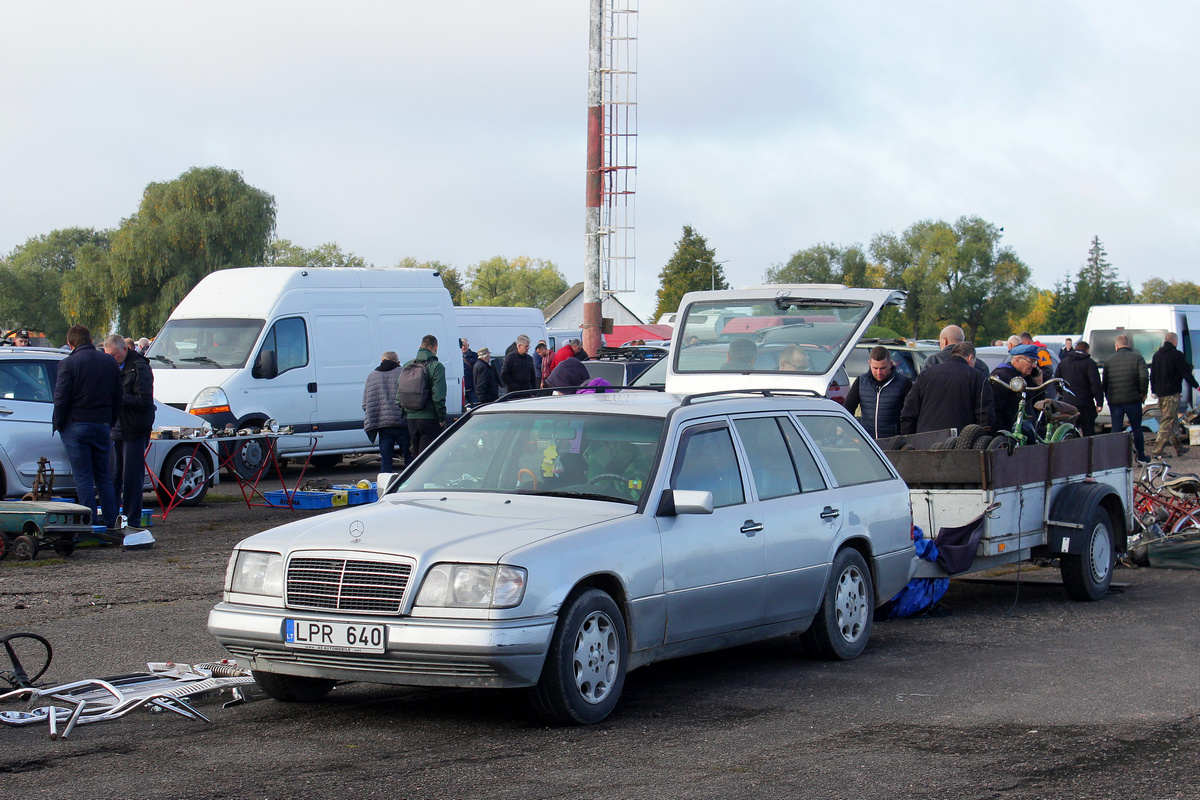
(386, 482)
(684, 501)
(267, 365)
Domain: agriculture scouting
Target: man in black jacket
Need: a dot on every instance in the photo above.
(1023, 361)
(87, 401)
(1083, 389)
(517, 372)
(487, 382)
(131, 434)
(952, 394)
(1126, 380)
(1168, 370)
(880, 391)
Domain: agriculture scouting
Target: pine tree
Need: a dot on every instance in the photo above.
(693, 268)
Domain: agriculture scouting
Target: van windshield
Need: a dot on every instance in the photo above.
(204, 343)
(1146, 342)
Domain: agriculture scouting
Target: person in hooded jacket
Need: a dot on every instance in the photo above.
(487, 380)
(880, 391)
(383, 419)
(569, 373)
(1083, 387)
(135, 420)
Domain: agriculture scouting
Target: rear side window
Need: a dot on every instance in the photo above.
(811, 479)
(850, 457)
(707, 463)
(770, 463)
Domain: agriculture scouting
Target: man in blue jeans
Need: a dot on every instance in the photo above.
(1125, 383)
(87, 399)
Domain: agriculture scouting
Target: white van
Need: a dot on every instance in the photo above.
(295, 344)
(1146, 326)
(497, 327)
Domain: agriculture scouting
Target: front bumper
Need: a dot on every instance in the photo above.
(419, 652)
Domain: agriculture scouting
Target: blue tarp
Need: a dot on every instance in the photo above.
(920, 594)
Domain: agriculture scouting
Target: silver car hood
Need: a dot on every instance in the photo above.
(436, 526)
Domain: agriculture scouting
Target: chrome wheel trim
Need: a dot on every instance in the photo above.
(850, 602)
(187, 477)
(1100, 553)
(597, 657)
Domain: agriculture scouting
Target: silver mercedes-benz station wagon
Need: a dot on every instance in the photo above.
(558, 542)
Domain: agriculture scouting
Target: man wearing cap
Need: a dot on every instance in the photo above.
(487, 382)
(383, 419)
(22, 338)
(1023, 361)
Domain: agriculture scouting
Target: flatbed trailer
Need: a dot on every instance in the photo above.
(1071, 500)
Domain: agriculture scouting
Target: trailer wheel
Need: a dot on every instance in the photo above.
(1087, 575)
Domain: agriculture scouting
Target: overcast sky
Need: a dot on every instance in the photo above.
(455, 131)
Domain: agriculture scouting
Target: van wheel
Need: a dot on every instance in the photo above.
(248, 459)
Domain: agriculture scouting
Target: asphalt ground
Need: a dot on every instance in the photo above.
(1017, 693)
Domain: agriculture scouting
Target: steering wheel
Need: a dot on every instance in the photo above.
(622, 484)
(530, 473)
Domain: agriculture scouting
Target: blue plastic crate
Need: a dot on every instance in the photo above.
(307, 500)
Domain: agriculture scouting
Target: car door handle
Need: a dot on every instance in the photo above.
(830, 513)
(5, 411)
(312, 387)
(750, 527)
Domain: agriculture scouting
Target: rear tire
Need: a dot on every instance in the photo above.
(842, 626)
(1087, 575)
(293, 688)
(585, 667)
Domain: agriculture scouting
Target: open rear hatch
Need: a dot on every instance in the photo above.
(786, 336)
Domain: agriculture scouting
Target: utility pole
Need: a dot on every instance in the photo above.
(592, 315)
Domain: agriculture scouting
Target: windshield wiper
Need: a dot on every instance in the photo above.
(166, 360)
(201, 360)
(583, 495)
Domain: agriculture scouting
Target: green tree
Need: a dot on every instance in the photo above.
(692, 268)
(521, 281)
(207, 219)
(1157, 290)
(1061, 316)
(825, 263)
(1098, 284)
(451, 278)
(282, 253)
(31, 279)
(909, 262)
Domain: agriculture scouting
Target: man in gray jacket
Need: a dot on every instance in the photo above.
(1126, 381)
(383, 417)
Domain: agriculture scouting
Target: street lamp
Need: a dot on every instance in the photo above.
(713, 265)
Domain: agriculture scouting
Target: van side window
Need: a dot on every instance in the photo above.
(289, 339)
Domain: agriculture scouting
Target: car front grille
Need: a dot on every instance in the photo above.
(342, 584)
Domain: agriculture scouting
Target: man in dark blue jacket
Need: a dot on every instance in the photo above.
(880, 391)
(1084, 389)
(87, 401)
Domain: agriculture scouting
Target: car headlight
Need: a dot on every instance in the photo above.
(472, 586)
(212, 400)
(52, 519)
(257, 573)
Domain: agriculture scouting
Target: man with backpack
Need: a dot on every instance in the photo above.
(421, 392)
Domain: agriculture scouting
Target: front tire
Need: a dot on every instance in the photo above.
(24, 548)
(585, 667)
(249, 456)
(293, 688)
(843, 623)
(187, 475)
(1087, 575)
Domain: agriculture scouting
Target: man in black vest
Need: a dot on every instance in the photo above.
(880, 391)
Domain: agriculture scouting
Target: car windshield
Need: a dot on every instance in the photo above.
(598, 456)
(1146, 342)
(804, 336)
(204, 343)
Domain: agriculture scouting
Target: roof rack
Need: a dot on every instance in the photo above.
(643, 352)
